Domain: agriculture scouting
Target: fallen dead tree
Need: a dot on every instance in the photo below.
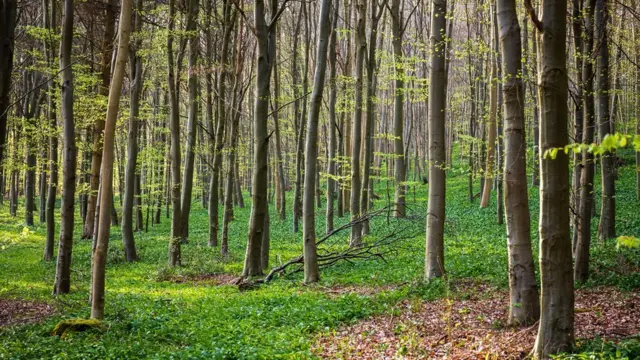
(331, 254)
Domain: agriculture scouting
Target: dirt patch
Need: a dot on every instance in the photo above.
(339, 290)
(473, 328)
(205, 279)
(19, 312)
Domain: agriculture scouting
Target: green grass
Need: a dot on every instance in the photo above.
(150, 318)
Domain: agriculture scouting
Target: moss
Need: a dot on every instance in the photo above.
(75, 325)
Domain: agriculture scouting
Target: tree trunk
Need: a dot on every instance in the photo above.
(265, 56)
(174, 125)
(333, 98)
(524, 306)
(583, 241)
(192, 134)
(63, 266)
(106, 183)
(96, 158)
(361, 47)
(297, 191)
(555, 332)
(310, 252)
(136, 75)
(398, 106)
(437, 176)
(53, 140)
(607, 227)
(229, 20)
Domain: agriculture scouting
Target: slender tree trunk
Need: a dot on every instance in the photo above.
(265, 54)
(524, 306)
(174, 126)
(577, 157)
(106, 171)
(135, 92)
(555, 332)
(53, 140)
(229, 20)
(361, 47)
(325, 27)
(63, 268)
(98, 129)
(437, 187)
(297, 192)
(333, 98)
(607, 227)
(583, 242)
(192, 133)
(398, 106)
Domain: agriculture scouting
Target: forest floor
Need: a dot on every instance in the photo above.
(370, 308)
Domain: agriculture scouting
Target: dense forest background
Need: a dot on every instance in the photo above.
(463, 176)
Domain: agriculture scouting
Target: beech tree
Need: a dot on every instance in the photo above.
(62, 283)
(556, 328)
(434, 259)
(106, 171)
(524, 306)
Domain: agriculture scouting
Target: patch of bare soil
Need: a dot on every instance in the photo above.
(339, 290)
(205, 279)
(19, 312)
(473, 327)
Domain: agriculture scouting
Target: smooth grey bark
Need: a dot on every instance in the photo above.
(361, 48)
(192, 127)
(214, 196)
(607, 227)
(174, 126)
(372, 87)
(98, 128)
(576, 23)
(398, 109)
(63, 267)
(265, 56)
(434, 262)
(281, 198)
(135, 92)
(310, 251)
(106, 170)
(297, 191)
(524, 305)
(53, 138)
(583, 241)
(556, 329)
(236, 106)
(332, 185)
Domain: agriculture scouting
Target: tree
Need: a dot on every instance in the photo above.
(229, 21)
(325, 28)
(264, 60)
(361, 47)
(332, 185)
(524, 306)
(7, 31)
(555, 331)
(63, 267)
(174, 125)
(106, 170)
(132, 148)
(583, 241)
(397, 26)
(53, 138)
(434, 262)
(607, 227)
(98, 128)
(189, 161)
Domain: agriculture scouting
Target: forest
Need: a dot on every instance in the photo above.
(339, 179)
